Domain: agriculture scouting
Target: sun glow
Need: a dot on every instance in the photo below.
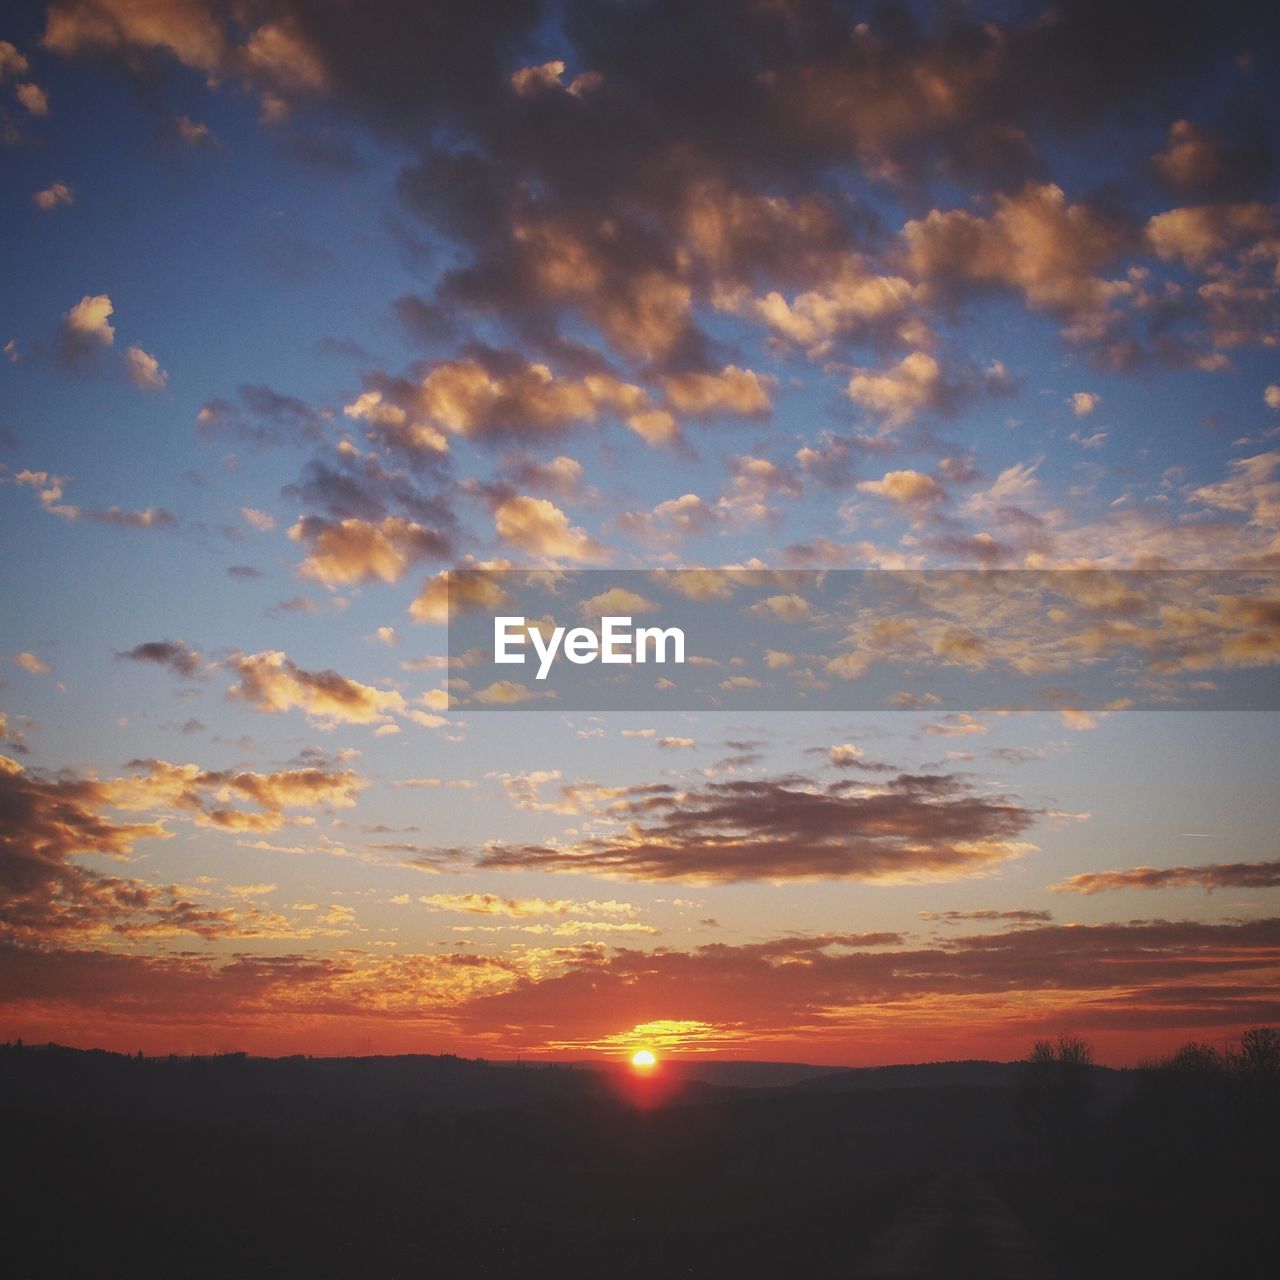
(643, 1059)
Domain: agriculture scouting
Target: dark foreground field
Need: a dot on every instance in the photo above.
(424, 1167)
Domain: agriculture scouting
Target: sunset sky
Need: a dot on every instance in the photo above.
(307, 302)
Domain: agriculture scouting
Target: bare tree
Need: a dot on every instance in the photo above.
(1058, 1086)
(1259, 1055)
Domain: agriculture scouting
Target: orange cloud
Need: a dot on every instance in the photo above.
(539, 527)
(57, 193)
(341, 552)
(466, 398)
(271, 682)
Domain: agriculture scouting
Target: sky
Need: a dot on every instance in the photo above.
(306, 304)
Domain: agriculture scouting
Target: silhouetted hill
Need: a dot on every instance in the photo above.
(420, 1166)
(421, 1079)
(969, 1073)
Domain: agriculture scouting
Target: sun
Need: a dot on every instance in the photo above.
(643, 1059)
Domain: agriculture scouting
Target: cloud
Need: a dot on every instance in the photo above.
(340, 552)
(209, 794)
(50, 489)
(912, 489)
(1251, 489)
(144, 370)
(1035, 243)
(463, 590)
(1015, 916)
(959, 725)
(1196, 161)
(45, 824)
(489, 904)
(1095, 440)
(616, 602)
(48, 822)
(270, 56)
(86, 328)
(32, 664)
(1197, 235)
(1145, 980)
(671, 521)
(741, 392)
(1227, 875)
(1083, 403)
(393, 425)
(586, 202)
(561, 475)
(896, 397)
(505, 693)
(785, 608)
(857, 302)
(655, 426)
(905, 829)
(519, 400)
(33, 98)
(194, 132)
(1142, 977)
(539, 527)
(12, 60)
(271, 682)
(57, 193)
(261, 415)
(173, 654)
(259, 520)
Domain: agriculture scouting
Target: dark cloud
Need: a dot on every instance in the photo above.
(789, 828)
(262, 416)
(1216, 875)
(162, 985)
(1015, 916)
(636, 166)
(1198, 162)
(425, 322)
(350, 488)
(176, 655)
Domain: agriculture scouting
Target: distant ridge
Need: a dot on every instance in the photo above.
(451, 1080)
(973, 1073)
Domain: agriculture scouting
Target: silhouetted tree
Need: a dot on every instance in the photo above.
(1259, 1055)
(1057, 1087)
(1196, 1060)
